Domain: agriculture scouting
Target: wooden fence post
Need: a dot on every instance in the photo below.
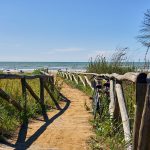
(141, 86)
(51, 81)
(32, 93)
(112, 99)
(80, 79)
(87, 82)
(66, 74)
(10, 100)
(42, 90)
(62, 74)
(144, 133)
(74, 78)
(24, 96)
(42, 98)
(70, 76)
(53, 98)
(124, 115)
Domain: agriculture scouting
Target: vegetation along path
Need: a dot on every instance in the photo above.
(66, 129)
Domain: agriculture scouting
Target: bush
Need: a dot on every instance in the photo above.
(117, 64)
(37, 71)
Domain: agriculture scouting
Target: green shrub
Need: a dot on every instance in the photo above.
(10, 118)
(37, 71)
(117, 64)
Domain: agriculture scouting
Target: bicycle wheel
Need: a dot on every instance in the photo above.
(100, 107)
(95, 104)
(93, 101)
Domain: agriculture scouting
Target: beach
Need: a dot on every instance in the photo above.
(17, 67)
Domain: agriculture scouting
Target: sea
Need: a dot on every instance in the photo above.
(29, 66)
(70, 66)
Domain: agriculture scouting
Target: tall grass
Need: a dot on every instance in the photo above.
(10, 118)
(109, 132)
(117, 63)
(105, 132)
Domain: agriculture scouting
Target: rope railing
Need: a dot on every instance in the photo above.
(140, 136)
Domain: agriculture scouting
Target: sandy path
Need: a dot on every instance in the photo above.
(68, 129)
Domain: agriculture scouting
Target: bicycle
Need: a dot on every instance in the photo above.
(99, 92)
(106, 86)
(96, 103)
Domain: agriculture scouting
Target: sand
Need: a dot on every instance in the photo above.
(66, 129)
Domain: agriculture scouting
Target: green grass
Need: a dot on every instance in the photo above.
(112, 138)
(101, 65)
(109, 133)
(10, 118)
(79, 86)
(37, 71)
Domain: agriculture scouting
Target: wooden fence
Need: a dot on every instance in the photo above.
(45, 79)
(140, 136)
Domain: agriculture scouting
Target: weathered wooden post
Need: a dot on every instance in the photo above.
(144, 133)
(141, 86)
(42, 98)
(53, 98)
(66, 76)
(32, 93)
(51, 81)
(10, 100)
(62, 74)
(24, 97)
(74, 78)
(87, 82)
(124, 115)
(112, 99)
(80, 79)
(42, 90)
(70, 76)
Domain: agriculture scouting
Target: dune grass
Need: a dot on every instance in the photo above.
(111, 136)
(109, 132)
(10, 118)
(116, 64)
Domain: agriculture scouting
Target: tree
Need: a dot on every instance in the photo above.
(144, 37)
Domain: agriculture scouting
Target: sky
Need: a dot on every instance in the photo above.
(70, 30)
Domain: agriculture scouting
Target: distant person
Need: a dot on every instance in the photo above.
(21, 71)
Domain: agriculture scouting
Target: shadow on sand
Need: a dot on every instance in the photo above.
(22, 143)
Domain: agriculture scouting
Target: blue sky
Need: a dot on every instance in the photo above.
(69, 30)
